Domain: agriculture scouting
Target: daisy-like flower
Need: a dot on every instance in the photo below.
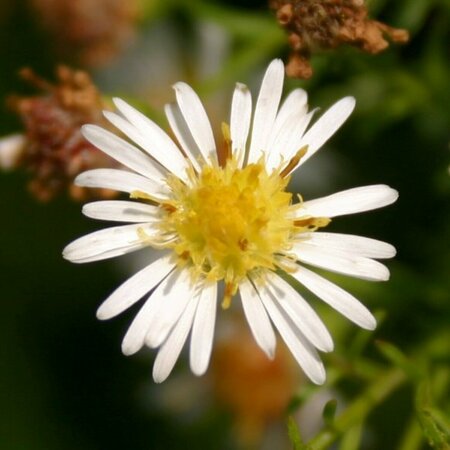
(210, 215)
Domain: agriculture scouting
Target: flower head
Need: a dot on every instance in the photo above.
(210, 215)
(327, 24)
(52, 148)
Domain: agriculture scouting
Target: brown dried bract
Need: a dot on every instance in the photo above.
(326, 24)
(55, 151)
(93, 31)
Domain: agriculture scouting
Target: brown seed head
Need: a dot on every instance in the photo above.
(94, 31)
(55, 151)
(315, 25)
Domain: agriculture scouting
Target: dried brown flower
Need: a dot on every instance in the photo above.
(326, 24)
(93, 31)
(54, 150)
(255, 389)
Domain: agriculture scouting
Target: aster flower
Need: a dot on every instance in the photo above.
(210, 215)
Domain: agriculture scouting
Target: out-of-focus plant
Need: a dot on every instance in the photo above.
(386, 397)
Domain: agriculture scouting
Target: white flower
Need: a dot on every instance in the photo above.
(208, 214)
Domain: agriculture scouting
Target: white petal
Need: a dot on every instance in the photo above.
(148, 315)
(350, 201)
(141, 283)
(120, 180)
(341, 262)
(241, 114)
(123, 152)
(155, 142)
(183, 134)
(121, 211)
(297, 99)
(11, 150)
(293, 105)
(359, 245)
(289, 142)
(301, 313)
(266, 109)
(170, 350)
(257, 318)
(181, 291)
(336, 297)
(203, 329)
(197, 120)
(106, 243)
(326, 126)
(301, 348)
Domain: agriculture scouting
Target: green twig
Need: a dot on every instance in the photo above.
(381, 388)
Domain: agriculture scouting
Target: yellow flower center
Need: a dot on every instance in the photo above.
(229, 221)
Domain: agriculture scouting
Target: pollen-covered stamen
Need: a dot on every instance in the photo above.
(230, 291)
(292, 164)
(141, 195)
(224, 152)
(229, 221)
(311, 223)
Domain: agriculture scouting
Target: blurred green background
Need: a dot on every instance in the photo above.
(64, 383)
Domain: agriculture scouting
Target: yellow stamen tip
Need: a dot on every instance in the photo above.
(292, 164)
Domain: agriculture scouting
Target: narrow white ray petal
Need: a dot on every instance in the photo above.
(286, 152)
(350, 201)
(301, 348)
(296, 99)
(197, 120)
(341, 262)
(121, 239)
(282, 146)
(155, 142)
(293, 105)
(203, 329)
(123, 152)
(120, 180)
(108, 254)
(180, 293)
(133, 289)
(359, 245)
(183, 134)
(257, 318)
(148, 315)
(266, 109)
(336, 297)
(326, 126)
(121, 211)
(171, 349)
(241, 114)
(301, 313)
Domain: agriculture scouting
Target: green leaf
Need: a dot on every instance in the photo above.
(437, 436)
(398, 358)
(294, 434)
(329, 412)
(352, 438)
(434, 425)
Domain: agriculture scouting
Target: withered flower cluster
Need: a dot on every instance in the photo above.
(54, 150)
(93, 31)
(326, 24)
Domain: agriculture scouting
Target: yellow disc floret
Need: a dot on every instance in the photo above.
(229, 221)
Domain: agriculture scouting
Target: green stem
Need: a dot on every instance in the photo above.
(413, 437)
(380, 389)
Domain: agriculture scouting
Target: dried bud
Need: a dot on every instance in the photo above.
(54, 150)
(92, 30)
(326, 24)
